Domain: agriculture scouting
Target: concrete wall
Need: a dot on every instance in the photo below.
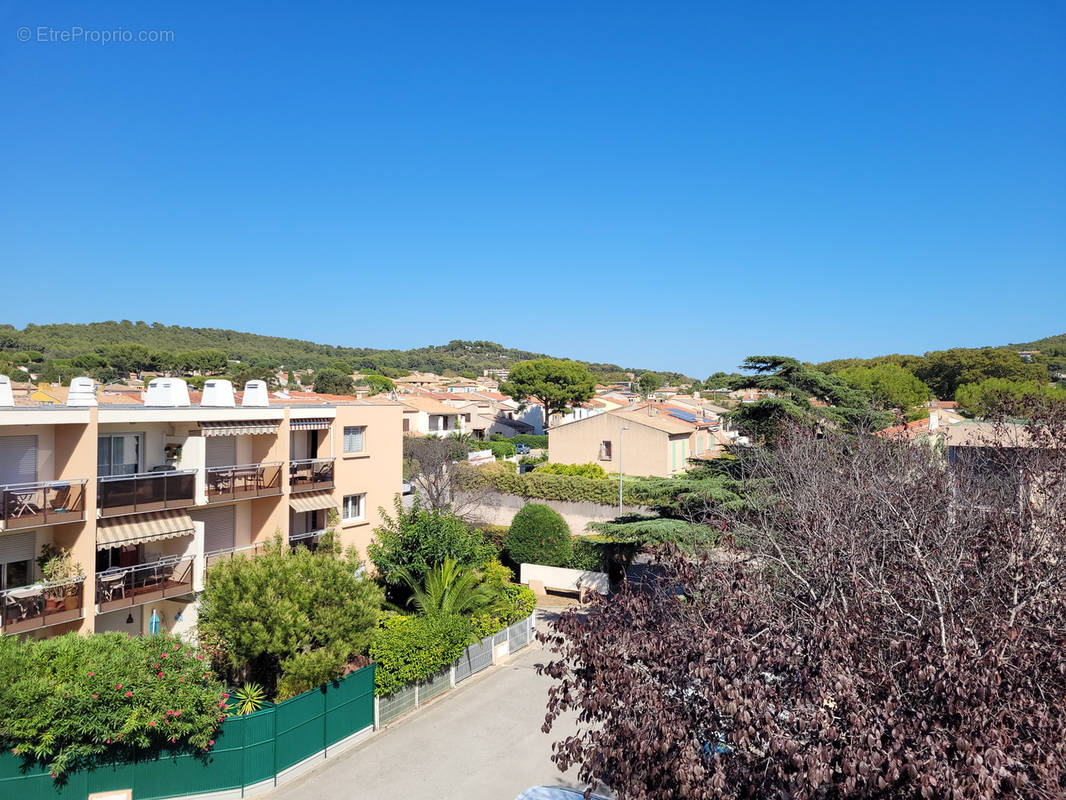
(565, 580)
(500, 509)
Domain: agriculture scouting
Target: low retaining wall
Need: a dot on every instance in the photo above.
(497, 508)
(566, 580)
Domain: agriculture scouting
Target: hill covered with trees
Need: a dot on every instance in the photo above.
(109, 349)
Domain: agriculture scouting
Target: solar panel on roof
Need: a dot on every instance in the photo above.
(687, 416)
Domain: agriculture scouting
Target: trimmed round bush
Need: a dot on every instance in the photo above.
(539, 535)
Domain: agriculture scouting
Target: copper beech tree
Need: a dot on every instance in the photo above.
(889, 622)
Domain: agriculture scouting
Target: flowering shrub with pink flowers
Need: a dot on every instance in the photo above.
(71, 699)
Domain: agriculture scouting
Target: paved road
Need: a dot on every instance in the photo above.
(481, 741)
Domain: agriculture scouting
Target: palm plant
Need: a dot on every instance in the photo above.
(451, 588)
(248, 699)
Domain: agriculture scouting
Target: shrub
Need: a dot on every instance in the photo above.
(494, 536)
(588, 555)
(289, 620)
(498, 468)
(539, 535)
(577, 470)
(248, 699)
(408, 649)
(657, 532)
(517, 603)
(416, 540)
(73, 698)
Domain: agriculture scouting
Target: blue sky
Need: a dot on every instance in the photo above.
(661, 185)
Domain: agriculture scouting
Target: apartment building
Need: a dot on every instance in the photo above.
(148, 494)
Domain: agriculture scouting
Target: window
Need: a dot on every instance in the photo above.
(353, 439)
(118, 454)
(16, 559)
(16, 573)
(406, 425)
(605, 450)
(353, 507)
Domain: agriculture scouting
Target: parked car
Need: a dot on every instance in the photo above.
(522, 449)
(408, 488)
(556, 793)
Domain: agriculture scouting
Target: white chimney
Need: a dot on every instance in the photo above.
(172, 392)
(218, 393)
(82, 392)
(7, 397)
(255, 394)
(934, 420)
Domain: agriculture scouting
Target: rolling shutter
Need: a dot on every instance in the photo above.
(219, 527)
(18, 459)
(221, 451)
(17, 547)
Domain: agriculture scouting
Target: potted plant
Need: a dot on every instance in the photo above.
(59, 567)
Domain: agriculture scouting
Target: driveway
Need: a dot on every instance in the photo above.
(481, 741)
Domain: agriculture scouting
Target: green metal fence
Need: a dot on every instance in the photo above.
(248, 750)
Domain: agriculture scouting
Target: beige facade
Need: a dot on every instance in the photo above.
(148, 497)
(653, 443)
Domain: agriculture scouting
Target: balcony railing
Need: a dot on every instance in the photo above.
(28, 505)
(49, 603)
(146, 491)
(309, 539)
(250, 550)
(243, 480)
(122, 587)
(310, 473)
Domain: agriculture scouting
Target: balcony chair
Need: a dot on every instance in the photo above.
(112, 585)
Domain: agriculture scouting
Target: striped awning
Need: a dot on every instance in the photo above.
(255, 427)
(312, 501)
(309, 424)
(139, 528)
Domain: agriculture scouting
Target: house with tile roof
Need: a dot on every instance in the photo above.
(654, 439)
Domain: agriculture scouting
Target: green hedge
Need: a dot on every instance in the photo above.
(414, 648)
(544, 486)
(539, 535)
(531, 439)
(576, 470)
(653, 492)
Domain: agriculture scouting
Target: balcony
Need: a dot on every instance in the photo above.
(31, 607)
(30, 505)
(146, 491)
(310, 539)
(250, 550)
(124, 587)
(238, 482)
(309, 474)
